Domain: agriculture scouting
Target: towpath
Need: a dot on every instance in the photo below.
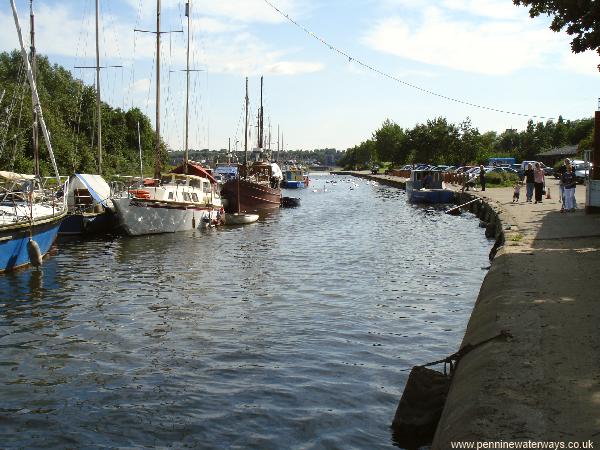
(544, 288)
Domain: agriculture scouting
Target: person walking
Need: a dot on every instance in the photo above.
(538, 179)
(529, 182)
(569, 184)
(482, 177)
(561, 189)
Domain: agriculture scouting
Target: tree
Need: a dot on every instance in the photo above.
(388, 142)
(69, 111)
(581, 19)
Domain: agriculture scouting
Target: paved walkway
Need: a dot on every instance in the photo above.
(543, 287)
(544, 220)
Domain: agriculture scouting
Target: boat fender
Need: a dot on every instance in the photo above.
(35, 255)
(193, 221)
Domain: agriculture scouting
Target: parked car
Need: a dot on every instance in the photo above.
(523, 166)
(501, 169)
(582, 170)
(374, 170)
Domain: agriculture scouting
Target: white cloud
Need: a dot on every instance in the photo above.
(141, 85)
(489, 46)
(292, 67)
(221, 40)
(246, 11)
(583, 63)
(496, 9)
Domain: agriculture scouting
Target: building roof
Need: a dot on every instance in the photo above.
(567, 150)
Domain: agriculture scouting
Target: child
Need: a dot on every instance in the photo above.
(517, 192)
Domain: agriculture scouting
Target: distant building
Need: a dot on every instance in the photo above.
(554, 155)
(330, 160)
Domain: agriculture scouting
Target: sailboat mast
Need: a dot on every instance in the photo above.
(246, 135)
(140, 152)
(36, 99)
(261, 118)
(98, 104)
(158, 161)
(35, 127)
(188, 13)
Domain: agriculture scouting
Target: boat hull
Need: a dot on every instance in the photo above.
(89, 223)
(429, 196)
(253, 196)
(138, 216)
(293, 184)
(240, 219)
(13, 242)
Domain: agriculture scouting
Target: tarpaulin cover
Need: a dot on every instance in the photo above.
(95, 184)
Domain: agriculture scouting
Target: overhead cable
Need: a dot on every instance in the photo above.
(398, 80)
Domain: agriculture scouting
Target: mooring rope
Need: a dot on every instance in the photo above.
(455, 358)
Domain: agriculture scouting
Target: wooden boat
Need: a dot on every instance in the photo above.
(259, 191)
(257, 186)
(427, 186)
(30, 214)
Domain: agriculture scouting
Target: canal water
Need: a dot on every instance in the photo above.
(297, 331)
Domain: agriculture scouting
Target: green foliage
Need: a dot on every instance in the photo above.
(69, 108)
(390, 143)
(360, 156)
(501, 179)
(439, 142)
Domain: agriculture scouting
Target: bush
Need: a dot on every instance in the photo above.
(500, 179)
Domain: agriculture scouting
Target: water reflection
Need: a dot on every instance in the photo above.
(294, 331)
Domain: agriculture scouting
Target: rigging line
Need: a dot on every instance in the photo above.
(237, 128)
(9, 110)
(17, 133)
(398, 80)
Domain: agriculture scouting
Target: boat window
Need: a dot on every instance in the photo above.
(195, 183)
(206, 186)
(171, 195)
(166, 179)
(194, 197)
(186, 197)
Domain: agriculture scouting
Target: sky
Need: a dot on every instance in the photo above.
(331, 78)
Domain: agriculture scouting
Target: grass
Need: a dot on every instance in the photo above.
(517, 237)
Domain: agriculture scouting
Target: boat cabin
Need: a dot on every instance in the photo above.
(427, 179)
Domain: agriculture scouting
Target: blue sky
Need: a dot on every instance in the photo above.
(484, 52)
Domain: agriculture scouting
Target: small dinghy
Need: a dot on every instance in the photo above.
(290, 202)
(240, 218)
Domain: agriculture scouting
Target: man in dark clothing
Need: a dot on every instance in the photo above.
(529, 182)
(482, 177)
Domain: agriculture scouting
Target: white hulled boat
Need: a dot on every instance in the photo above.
(179, 202)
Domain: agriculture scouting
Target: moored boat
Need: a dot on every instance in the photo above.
(29, 220)
(185, 199)
(179, 202)
(30, 213)
(240, 218)
(294, 177)
(427, 186)
(259, 191)
(90, 209)
(257, 186)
